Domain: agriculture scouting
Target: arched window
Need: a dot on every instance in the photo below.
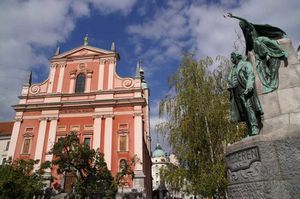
(123, 164)
(80, 83)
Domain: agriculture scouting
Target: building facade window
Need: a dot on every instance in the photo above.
(3, 161)
(122, 165)
(87, 141)
(26, 146)
(7, 146)
(123, 142)
(80, 83)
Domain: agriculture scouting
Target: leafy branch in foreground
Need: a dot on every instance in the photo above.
(198, 126)
(93, 179)
(19, 180)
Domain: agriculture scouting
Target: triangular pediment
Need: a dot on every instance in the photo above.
(83, 51)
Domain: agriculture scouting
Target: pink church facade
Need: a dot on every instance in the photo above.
(83, 93)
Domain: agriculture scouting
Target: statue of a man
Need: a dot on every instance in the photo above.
(244, 102)
(262, 39)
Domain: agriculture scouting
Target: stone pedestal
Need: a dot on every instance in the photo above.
(139, 180)
(282, 106)
(267, 166)
(264, 167)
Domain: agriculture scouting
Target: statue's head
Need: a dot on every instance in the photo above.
(235, 57)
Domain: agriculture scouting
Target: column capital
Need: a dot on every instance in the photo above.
(111, 60)
(89, 74)
(73, 74)
(43, 118)
(137, 114)
(18, 119)
(53, 65)
(109, 116)
(102, 60)
(97, 116)
(63, 65)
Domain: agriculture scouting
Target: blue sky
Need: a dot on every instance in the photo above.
(152, 30)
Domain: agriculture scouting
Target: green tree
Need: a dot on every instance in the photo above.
(198, 126)
(93, 179)
(18, 180)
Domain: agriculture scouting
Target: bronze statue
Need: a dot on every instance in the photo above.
(262, 39)
(245, 105)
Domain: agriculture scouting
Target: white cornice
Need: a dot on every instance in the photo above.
(94, 93)
(81, 104)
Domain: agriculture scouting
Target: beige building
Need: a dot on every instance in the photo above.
(5, 134)
(159, 161)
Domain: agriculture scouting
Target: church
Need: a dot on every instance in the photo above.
(84, 93)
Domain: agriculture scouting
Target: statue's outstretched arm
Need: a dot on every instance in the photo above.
(239, 18)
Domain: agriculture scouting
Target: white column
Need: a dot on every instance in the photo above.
(101, 74)
(61, 77)
(51, 78)
(51, 137)
(40, 141)
(72, 82)
(88, 81)
(108, 140)
(111, 67)
(14, 138)
(97, 132)
(138, 140)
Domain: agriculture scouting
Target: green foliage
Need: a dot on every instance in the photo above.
(17, 179)
(87, 165)
(198, 126)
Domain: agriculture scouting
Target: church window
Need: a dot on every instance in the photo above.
(87, 141)
(80, 83)
(123, 142)
(26, 146)
(7, 146)
(123, 164)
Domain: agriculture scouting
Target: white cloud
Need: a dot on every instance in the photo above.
(202, 29)
(28, 28)
(107, 7)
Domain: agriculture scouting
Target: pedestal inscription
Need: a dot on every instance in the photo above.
(241, 160)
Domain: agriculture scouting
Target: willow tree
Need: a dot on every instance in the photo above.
(198, 126)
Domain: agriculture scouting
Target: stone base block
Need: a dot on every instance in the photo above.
(264, 167)
(139, 182)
